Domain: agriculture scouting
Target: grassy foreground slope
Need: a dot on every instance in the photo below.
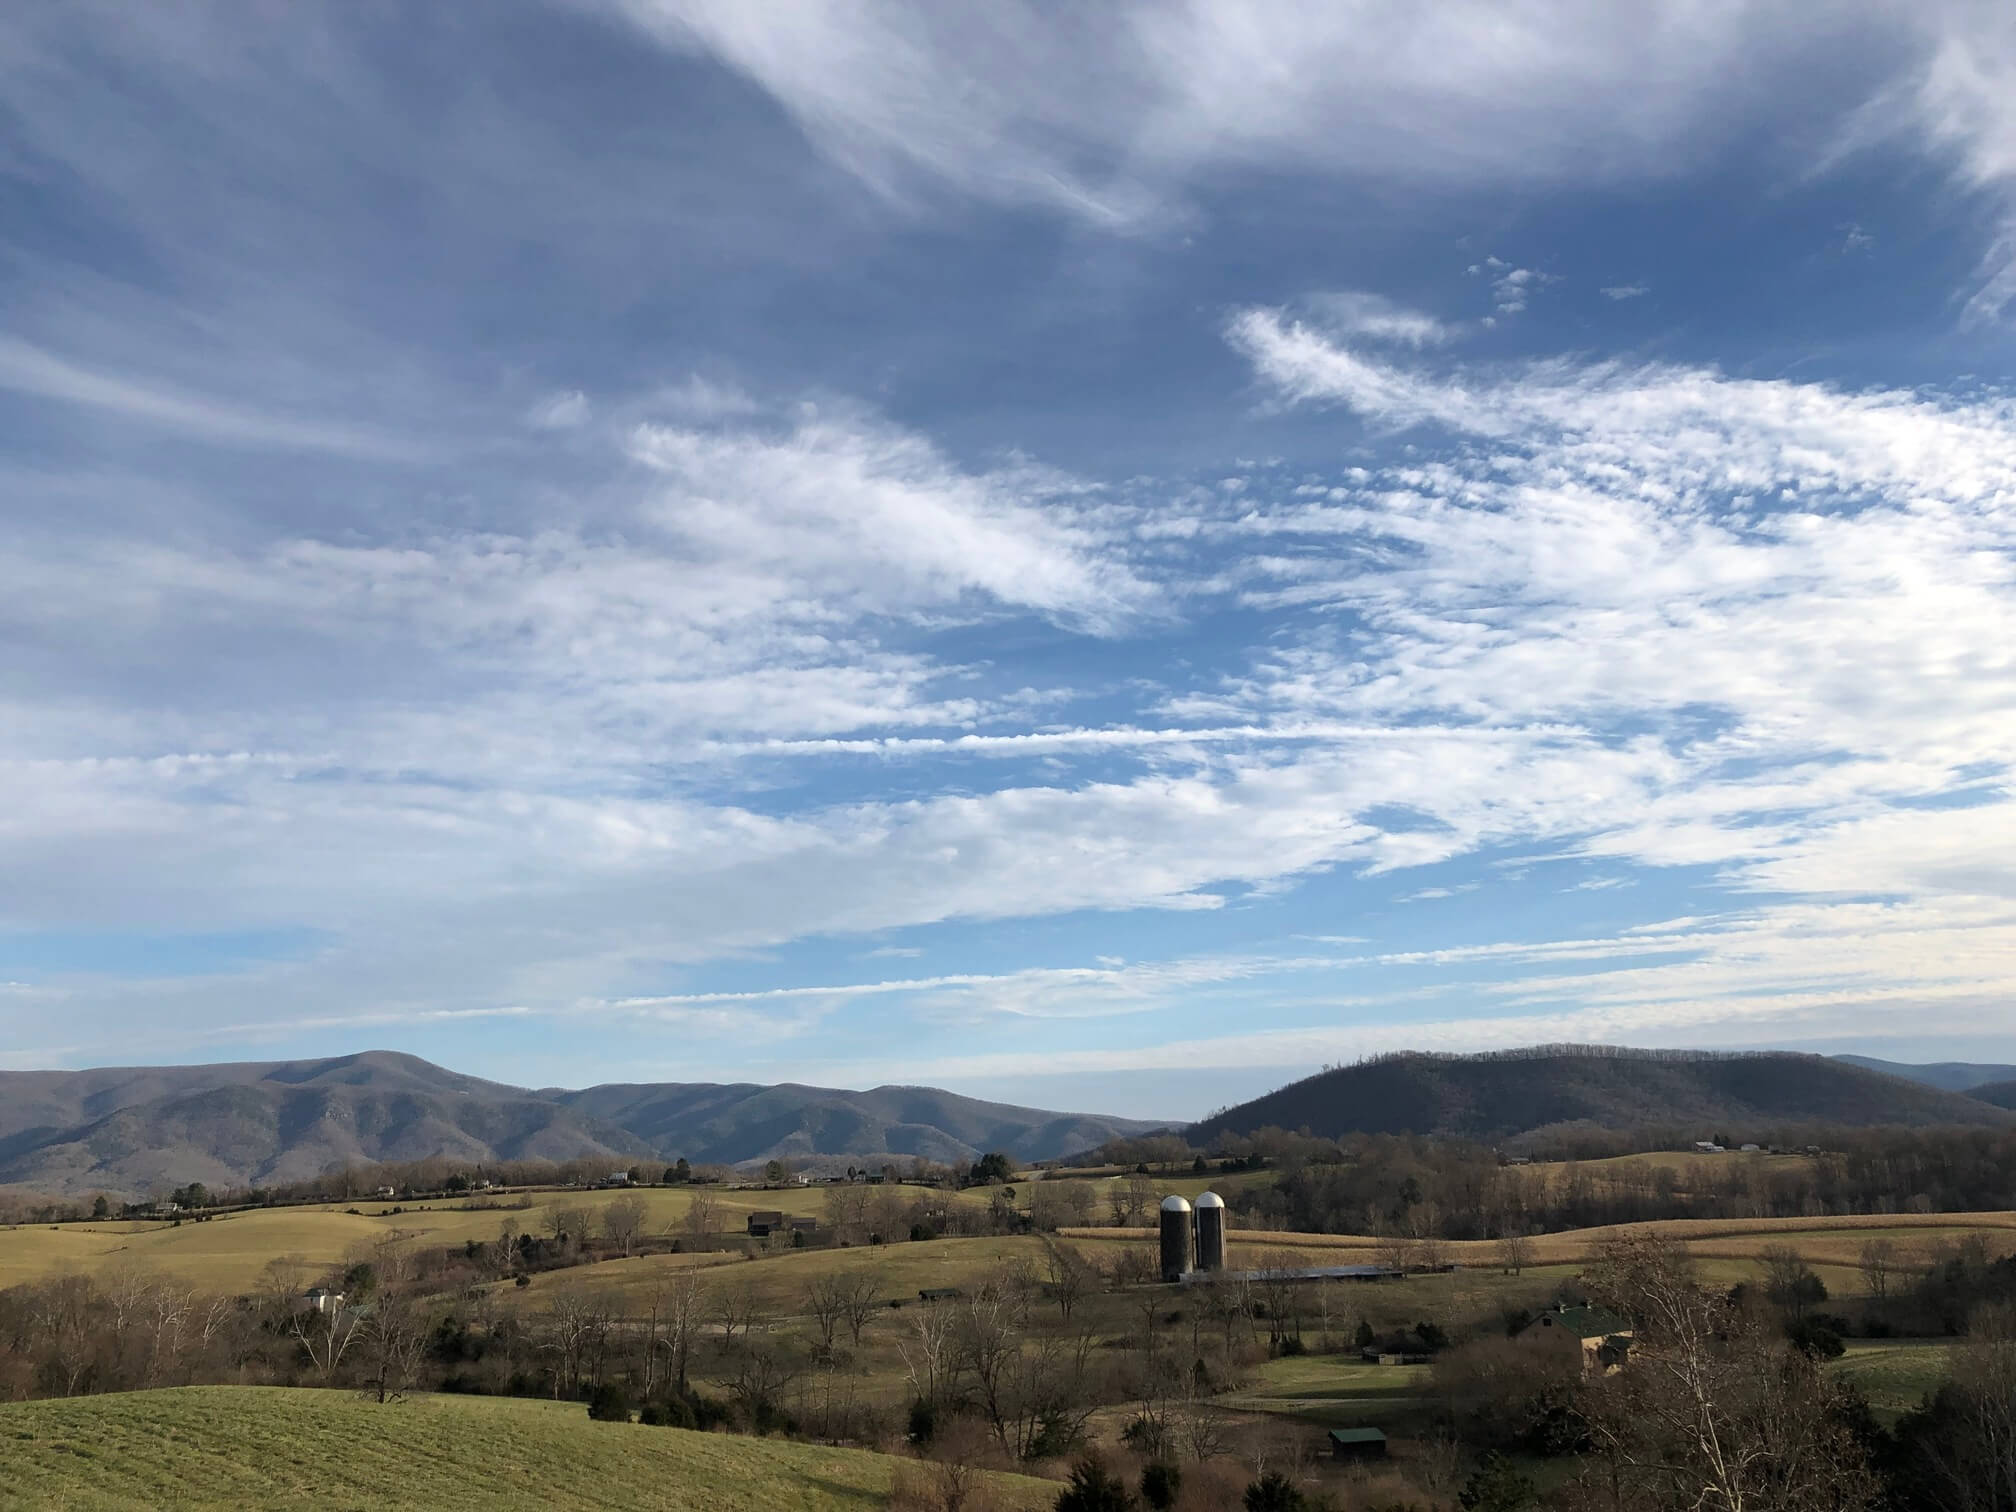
(275, 1447)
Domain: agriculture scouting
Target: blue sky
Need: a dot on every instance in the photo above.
(1104, 556)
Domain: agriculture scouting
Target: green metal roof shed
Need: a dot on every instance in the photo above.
(1357, 1443)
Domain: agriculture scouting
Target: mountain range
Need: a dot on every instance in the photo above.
(1504, 1096)
(137, 1130)
(141, 1130)
(1948, 1076)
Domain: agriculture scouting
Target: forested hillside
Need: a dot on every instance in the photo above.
(1504, 1096)
(145, 1130)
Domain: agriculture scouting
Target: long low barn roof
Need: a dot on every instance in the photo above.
(1301, 1273)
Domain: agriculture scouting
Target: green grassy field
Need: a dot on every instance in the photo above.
(1334, 1391)
(1895, 1374)
(270, 1447)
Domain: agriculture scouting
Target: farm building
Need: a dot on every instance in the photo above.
(806, 1226)
(1355, 1444)
(763, 1225)
(1305, 1273)
(1601, 1337)
(321, 1300)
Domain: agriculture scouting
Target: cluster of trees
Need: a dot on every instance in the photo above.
(1439, 1188)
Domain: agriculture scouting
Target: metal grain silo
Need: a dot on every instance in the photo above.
(1210, 1232)
(1178, 1244)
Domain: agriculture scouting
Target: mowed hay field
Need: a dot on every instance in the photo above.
(246, 1446)
(1728, 1247)
(1895, 1374)
(1334, 1391)
(780, 1281)
(227, 1252)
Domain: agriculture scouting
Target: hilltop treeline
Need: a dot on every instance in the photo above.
(1458, 1189)
(1522, 1099)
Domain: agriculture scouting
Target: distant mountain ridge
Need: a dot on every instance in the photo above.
(2000, 1094)
(1502, 1096)
(135, 1130)
(1948, 1076)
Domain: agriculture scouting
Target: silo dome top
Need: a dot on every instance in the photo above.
(1174, 1204)
(1210, 1199)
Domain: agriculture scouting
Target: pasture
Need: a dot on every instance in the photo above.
(1728, 1247)
(207, 1446)
(1333, 1391)
(779, 1282)
(228, 1251)
(1895, 1374)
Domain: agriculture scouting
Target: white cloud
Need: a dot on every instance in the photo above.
(562, 411)
(28, 369)
(1106, 115)
(1373, 317)
(1625, 291)
(1511, 288)
(1800, 597)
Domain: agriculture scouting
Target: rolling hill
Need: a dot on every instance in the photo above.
(1948, 1076)
(2000, 1094)
(137, 1130)
(265, 1446)
(1498, 1097)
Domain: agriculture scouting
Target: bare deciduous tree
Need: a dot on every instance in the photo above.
(736, 1313)
(675, 1319)
(1879, 1264)
(623, 1222)
(392, 1340)
(326, 1336)
(1971, 1457)
(1069, 1277)
(1712, 1410)
(826, 1303)
(577, 1332)
(929, 1348)
(703, 1214)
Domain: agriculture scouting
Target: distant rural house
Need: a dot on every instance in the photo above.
(617, 1178)
(804, 1225)
(385, 1191)
(1600, 1337)
(762, 1225)
(1752, 1149)
(1706, 1147)
(320, 1299)
(1355, 1444)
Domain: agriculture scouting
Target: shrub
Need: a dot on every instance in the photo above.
(1094, 1488)
(1160, 1482)
(609, 1403)
(1497, 1485)
(1274, 1492)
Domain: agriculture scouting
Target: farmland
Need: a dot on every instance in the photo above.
(276, 1447)
(1894, 1374)
(227, 1252)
